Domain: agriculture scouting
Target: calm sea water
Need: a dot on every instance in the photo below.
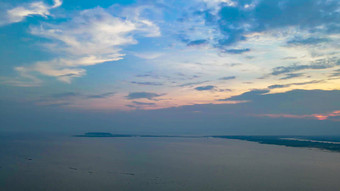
(80, 163)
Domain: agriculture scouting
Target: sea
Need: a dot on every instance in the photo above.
(66, 163)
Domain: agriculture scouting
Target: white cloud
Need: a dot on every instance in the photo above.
(18, 14)
(148, 55)
(66, 69)
(92, 37)
(214, 3)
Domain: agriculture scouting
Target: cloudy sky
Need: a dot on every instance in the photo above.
(196, 66)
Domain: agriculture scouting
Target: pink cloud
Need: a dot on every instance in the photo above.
(323, 116)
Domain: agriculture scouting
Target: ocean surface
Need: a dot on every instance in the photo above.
(34, 163)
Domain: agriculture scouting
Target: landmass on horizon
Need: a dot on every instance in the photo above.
(330, 143)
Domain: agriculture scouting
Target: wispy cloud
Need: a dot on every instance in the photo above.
(25, 80)
(18, 14)
(92, 37)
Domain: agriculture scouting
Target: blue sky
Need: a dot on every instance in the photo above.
(259, 60)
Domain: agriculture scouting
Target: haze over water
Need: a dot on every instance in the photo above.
(135, 163)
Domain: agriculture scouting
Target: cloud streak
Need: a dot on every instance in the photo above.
(147, 83)
(69, 98)
(293, 84)
(307, 41)
(143, 95)
(228, 78)
(237, 51)
(192, 83)
(323, 116)
(291, 75)
(143, 103)
(205, 88)
(315, 65)
(70, 95)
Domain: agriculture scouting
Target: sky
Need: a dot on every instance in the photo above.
(194, 67)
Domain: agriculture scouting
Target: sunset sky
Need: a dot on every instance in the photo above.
(219, 65)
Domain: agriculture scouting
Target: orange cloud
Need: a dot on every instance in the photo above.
(320, 117)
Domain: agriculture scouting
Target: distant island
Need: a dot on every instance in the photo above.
(101, 134)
